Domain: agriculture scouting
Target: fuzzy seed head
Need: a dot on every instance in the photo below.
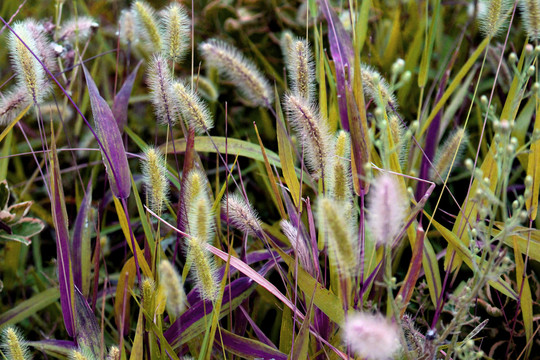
(127, 27)
(204, 269)
(371, 336)
(236, 68)
(45, 49)
(148, 288)
(286, 43)
(299, 244)
(77, 29)
(147, 26)
(342, 182)
(160, 83)
(81, 354)
(29, 72)
(114, 353)
(13, 345)
(192, 108)
(12, 104)
(201, 218)
(387, 208)
(377, 89)
(172, 283)
(316, 140)
(492, 16)
(530, 11)
(339, 234)
(453, 146)
(241, 215)
(301, 69)
(176, 32)
(196, 184)
(155, 180)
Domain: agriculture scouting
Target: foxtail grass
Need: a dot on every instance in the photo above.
(147, 26)
(204, 269)
(243, 73)
(192, 108)
(176, 32)
(155, 179)
(13, 344)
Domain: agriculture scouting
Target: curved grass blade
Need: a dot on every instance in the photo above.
(121, 100)
(29, 307)
(113, 151)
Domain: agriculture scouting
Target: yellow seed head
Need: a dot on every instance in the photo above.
(176, 298)
(155, 179)
(339, 234)
(29, 72)
(493, 15)
(114, 353)
(342, 183)
(147, 26)
(204, 269)
(176, 32)
(82, 354)
(192, 108)
(301, 69)
(201, 218)
(453, 146)
(148, 291)
(530, 10)
(14, 345)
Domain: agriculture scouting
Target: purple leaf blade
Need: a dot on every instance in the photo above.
(342, 54)
(191, 323)
(60, 220)
(80, 230)
(248, 348)
(88, 332)
(120, 105)
(112, 148)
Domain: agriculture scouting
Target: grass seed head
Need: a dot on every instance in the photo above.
(301, 69)
(371, 336)
(45, 49)
(29, 72)
(77, 29)
(13, 344)
(12, 104)
(174, 289)
(493, 15)
(377, 88)
(387, 208)
(454, 145)
(342, 183)
(530, 11)
(238, 69)
(176, 32)
(201, 218)
(192, 108)
(204, 269)
(160, 83)
(127, 27)
(81, 354)
(147, 26)
(114, 353)
(299, 244)
(155, 179)
(317, 142)
(241, 215)
(340, 235)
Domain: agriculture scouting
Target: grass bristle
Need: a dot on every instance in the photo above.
(530, 12)
(12, 104)
(204, 269)
(192, 108)
(155, 178)
(127, 27)
(172, 283)
(29, 72)
(160, 83)
(77, 29)
(243, 73)
(14, 345)
(493, 15)
(147, 26)
(241, 215)
(301, 69)
(176, 32)
(449, 154)
(313, 131)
